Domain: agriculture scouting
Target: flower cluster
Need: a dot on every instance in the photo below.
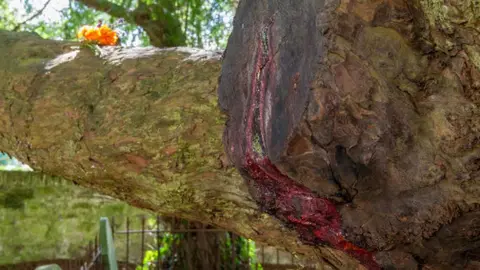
(102, 35)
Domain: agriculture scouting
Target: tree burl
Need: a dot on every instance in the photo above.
(356, 123)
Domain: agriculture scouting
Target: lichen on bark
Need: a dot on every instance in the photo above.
(140, 124)
(380, 116)
(390, 132)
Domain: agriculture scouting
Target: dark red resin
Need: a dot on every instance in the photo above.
(316, 219)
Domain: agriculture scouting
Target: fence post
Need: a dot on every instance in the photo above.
(49, 267)
(107, 246)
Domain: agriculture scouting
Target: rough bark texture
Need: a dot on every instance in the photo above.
(368, 105)
(141, 125)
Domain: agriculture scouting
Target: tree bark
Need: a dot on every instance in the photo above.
(141, 125)
(354, 123)
(357, 122)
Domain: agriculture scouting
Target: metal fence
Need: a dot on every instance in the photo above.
(156, 242)
(197, 246)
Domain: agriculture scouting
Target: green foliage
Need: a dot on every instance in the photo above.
(7, 17)
(207, 23)
(53, 219)
(78, 14)
(16, 197)
(167, 241)
(198, 23)
(244, 250)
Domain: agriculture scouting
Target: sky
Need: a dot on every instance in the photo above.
(50, 14)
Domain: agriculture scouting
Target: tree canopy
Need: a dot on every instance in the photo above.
(162, 23)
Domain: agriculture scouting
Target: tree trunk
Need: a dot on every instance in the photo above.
(357, 122)
(141, 125)
(354, 123)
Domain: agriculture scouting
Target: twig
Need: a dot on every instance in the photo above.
(40, 11)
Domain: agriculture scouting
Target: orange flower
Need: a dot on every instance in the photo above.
(82, 32)
(102, 35)
(107, 36)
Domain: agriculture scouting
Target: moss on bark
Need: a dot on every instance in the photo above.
(141, 125)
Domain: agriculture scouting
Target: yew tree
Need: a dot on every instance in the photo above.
(344, 130)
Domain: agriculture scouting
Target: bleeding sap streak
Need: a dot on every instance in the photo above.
(316, 219)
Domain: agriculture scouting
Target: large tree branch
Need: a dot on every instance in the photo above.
(359, 121)
(141, 125)
(353, 122)
(109, 8)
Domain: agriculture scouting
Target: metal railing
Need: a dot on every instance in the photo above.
(199, 246)
(126, 244)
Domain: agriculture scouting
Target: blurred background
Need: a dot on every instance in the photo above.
(48, 220)
(162, 23)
